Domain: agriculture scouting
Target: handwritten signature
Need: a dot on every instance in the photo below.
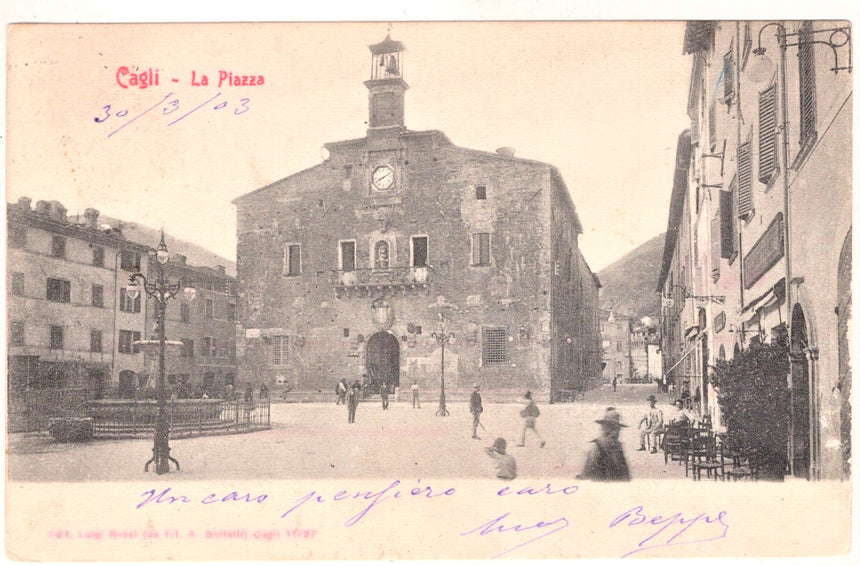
(672, 530)
(497, 525)
(169, 104)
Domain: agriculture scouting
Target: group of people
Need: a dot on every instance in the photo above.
(350, 395)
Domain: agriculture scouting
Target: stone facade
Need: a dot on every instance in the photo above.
(350, 267)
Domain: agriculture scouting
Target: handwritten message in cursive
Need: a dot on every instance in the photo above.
(509, 530)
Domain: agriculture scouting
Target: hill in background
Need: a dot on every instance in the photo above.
(196, 255)
(629, 283)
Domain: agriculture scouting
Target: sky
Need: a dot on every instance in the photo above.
(603, 102)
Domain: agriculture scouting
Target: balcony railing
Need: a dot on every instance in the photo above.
(379, 279)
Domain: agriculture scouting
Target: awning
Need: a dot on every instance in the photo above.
(773, 296)
(682, 358)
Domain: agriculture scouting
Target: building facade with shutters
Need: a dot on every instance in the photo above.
(765, 211)
(615, 334)
(71, 325)
(365, 264)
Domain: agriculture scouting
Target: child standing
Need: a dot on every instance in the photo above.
(530, 414)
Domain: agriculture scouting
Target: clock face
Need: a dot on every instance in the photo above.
(382, 178)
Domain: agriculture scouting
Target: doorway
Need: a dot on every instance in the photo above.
(799, 440)
(382, 358)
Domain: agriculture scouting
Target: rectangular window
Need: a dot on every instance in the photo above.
(280, 350)
(806, 78)
(292, 259)
(98, 256)
(59, 290)
(18, 284)
(210, 308)
(95, 341)
(126, 303)
(727, 224)
(16, 333)
(187, 348)
(419, 251)
(18, 236)
(210, 347)
(481, 249)
(98, 295)
(495, 346)
(127, 338)
(231, 350)
(56, 337)
(58, 246)
(184, 312)
(347, 256)
(744, 180)
(347, 172)
(767, 134)
(231, 311)
(129, 260)
(481, 192)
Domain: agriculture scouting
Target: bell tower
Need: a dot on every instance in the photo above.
(386, 85)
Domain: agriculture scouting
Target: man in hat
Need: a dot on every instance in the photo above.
(506, 466)
(476, 409)
(605, 460)
(653, 421)
(530, 414)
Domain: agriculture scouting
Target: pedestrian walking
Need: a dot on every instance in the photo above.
(416, 402)
(605, 460)
(506, 466)
(264, 391)
(530, 414)
(249, 392)
(614, 383)
(352, 401)
(383, 393)
(476, 409)
(653, 421)
(340, 391)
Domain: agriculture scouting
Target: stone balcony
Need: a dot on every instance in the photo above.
(364, 282)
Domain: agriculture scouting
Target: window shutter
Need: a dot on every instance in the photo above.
(712, 125)
(729, 77)
(727, 225)
(806, 72)
(716, 244)
(767, 134)
(744, 180)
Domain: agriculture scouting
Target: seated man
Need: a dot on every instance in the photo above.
(653, 421)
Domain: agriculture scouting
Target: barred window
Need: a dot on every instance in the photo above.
(280, 350)
(495, 346)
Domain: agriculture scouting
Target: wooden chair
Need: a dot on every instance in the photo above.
(676, 440)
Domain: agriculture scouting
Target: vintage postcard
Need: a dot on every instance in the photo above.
(429, 290)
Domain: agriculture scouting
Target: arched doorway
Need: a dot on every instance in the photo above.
(843, 322)
(799, 445)
(382, 358)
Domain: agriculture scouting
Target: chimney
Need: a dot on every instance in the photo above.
(506, 151)
(58, 211)
(92, 218)
(43, 207)
(24, 203)
(219, 269)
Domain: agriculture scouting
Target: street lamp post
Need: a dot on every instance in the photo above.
(161, 291)
(442, 339)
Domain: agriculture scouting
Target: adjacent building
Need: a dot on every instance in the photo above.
(759, 233)
(400, 244)
(72, 327)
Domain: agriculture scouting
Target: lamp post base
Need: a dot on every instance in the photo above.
(442, 411)
(162, 459)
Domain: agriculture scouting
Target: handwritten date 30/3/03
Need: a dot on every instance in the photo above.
(170, 105)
